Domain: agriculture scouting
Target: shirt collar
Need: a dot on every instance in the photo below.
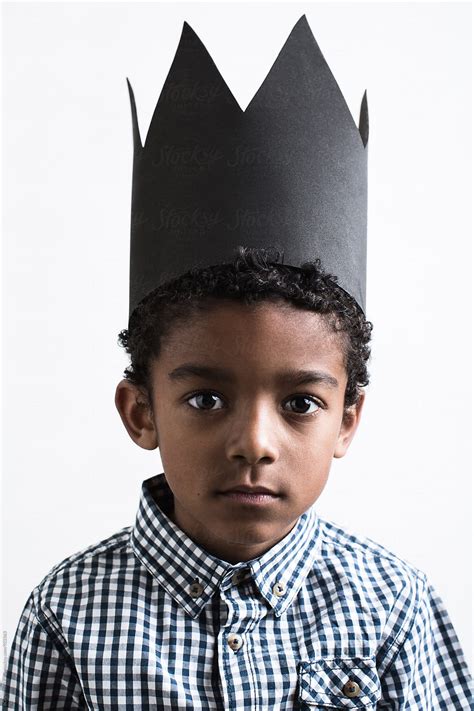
(178, 563)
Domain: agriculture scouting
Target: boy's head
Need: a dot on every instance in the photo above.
(254, 320)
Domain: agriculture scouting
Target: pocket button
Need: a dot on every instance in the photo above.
(351, 689)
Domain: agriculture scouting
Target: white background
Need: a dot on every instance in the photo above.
(71, 474)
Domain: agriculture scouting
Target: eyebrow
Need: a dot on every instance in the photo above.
(295, 377)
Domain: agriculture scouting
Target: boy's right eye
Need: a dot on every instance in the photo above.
(206, 396)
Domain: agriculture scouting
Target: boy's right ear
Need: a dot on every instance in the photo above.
(136, 415)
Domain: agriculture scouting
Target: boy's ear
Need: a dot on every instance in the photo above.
(136, 414)
(350, 422)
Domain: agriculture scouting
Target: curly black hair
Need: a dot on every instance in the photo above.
(254, 274)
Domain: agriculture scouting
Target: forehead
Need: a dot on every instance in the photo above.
(262, 338)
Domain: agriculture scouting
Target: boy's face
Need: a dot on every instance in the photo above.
(250, 429)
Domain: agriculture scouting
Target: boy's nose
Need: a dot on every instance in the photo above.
(253, 433)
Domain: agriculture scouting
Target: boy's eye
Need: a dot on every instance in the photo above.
(311, 400)
(207, 399)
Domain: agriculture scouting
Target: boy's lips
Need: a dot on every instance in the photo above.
(254, 495)
(249, 490)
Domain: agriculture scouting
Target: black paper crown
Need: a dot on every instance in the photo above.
(288, 173)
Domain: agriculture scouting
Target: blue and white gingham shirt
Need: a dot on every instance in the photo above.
(146, 619)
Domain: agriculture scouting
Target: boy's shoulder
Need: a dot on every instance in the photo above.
(102, 556)
(364, 556)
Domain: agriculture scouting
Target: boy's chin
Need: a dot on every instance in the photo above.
(244, 536)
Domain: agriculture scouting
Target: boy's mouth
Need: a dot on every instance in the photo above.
(250, 495)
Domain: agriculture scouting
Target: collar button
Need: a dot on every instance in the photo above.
(279, 589)
(196, 589)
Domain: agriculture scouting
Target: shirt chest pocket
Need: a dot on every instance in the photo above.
(339, 683)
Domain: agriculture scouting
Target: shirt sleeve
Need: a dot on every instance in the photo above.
(428, 671)
(39, 675)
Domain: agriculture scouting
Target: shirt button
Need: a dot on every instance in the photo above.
(235, 641)
(279, 589)
(196, 589)
(237, 577)
(351, 689)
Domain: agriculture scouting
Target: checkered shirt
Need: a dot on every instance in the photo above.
(146, 619)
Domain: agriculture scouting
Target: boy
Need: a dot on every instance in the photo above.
(230, 591)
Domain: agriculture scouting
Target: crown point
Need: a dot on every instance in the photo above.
(187, 29)
(189, 35)
(130, 90)
(364, 120)
(136, 131)
(302, 21)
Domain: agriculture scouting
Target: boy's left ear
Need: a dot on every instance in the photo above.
(350, 422)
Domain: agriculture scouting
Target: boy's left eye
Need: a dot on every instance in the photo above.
(307, 398)
(207, 395)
